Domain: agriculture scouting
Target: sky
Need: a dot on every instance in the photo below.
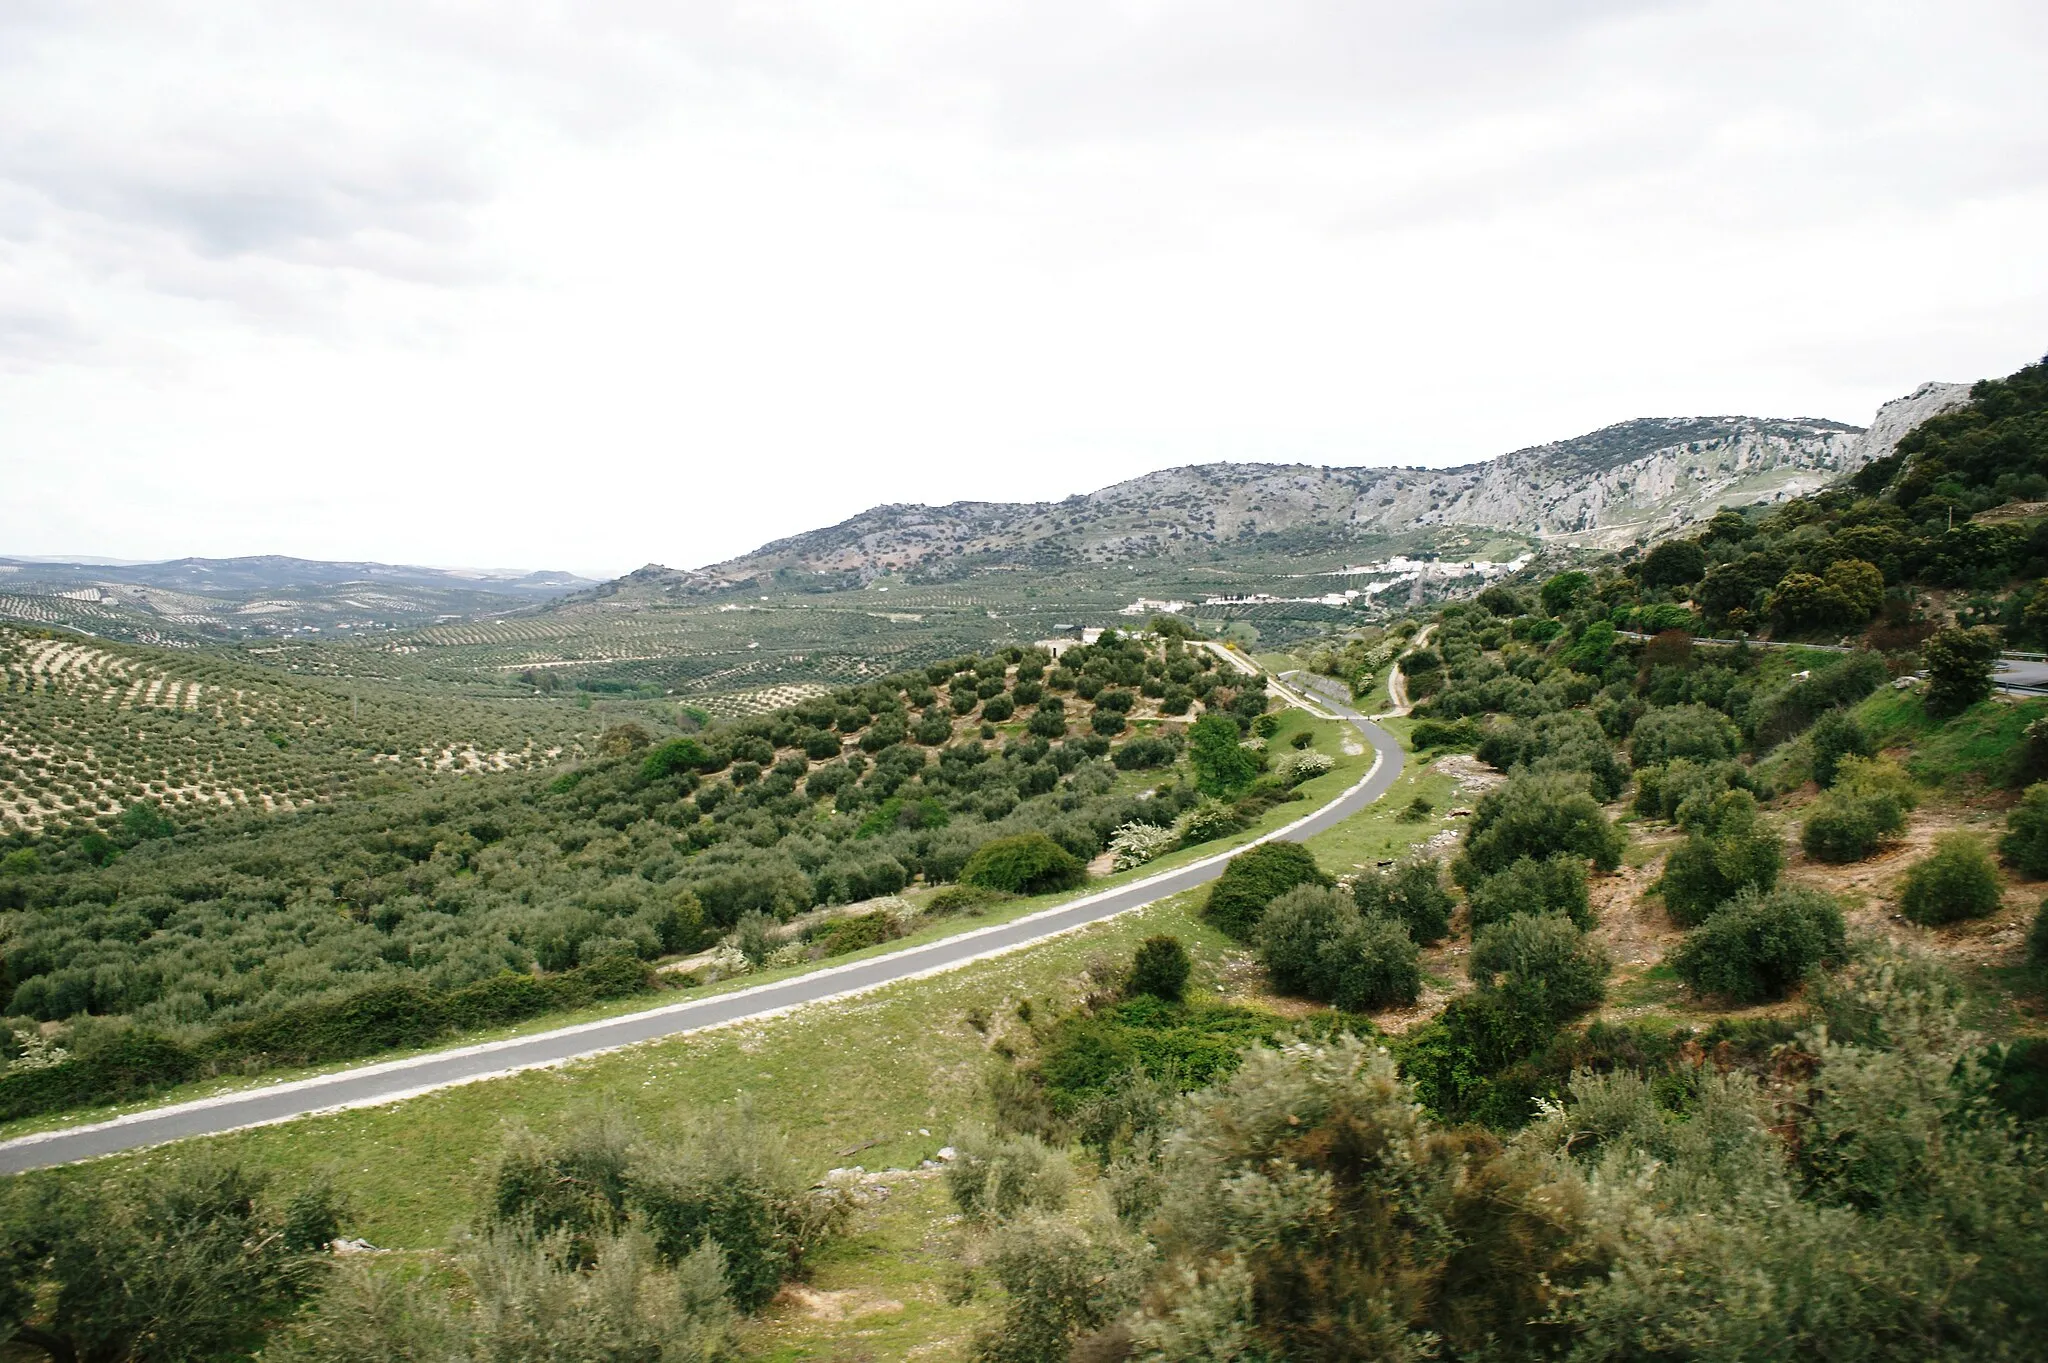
(584, 286)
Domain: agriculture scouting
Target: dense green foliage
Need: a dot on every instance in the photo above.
(1160, 968)
(1953, 882)
(191, 1263)
(1024, 863)
(1866, 806)
(1528, 886)
(1758, 946)
(2025, 844)
(1253, 879)
(1413, 893)
(1314, 941)
(1729, 848)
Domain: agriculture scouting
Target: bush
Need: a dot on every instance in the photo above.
(1542, 965)
(1028, 863)
(1960, 664)
(1432, 733)
(1108, 722)
(992, 1178)
(2025, 844)
(1759, 946)
(1953, 882)
(1536, 816)
(1666, 792)
(1413, 893)
(1160, 968)
(965, 899)
(1206, 822)
(1846, 828)
(1553, 885)
(1689, 731)
(1836, 735)
(1316, 943)
(1255, 878)
(1143, 753)
(1729, 849)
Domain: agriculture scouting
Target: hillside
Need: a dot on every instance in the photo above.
(89, 727)
(1606, 488)
(195, 600)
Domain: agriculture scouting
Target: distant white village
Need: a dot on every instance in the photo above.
(1381, 577)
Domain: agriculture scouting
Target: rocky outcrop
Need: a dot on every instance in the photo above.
(1631, 481)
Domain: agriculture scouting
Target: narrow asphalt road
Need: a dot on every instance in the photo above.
(367, 1085)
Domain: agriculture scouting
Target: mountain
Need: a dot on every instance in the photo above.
(194, 600)
(1623, 483)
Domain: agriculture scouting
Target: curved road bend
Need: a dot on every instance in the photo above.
(389, 1081)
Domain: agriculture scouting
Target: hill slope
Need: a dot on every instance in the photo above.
(1605, 488)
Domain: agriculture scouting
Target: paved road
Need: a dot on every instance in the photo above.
(2022, 675)
(391, 1080)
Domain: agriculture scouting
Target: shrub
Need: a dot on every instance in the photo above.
(1028, 863)
(1689, 731)
(1665, 792)
(1316, 943)
(754, 937)
(1413, 893)
(1305, 766)
(1759, 946)
(1108, 722)
(1134, 844)
(1836, 735)
(1953, 882)
(1542, 965)
(1536, 816)
(998, 708)
(1142, 753)
(2025, 844)
(1255, 878)
(1553, 885)
(1730, 848)
(1060, 1281)
(1206, 822)
(992, 1177)
(1866, 805)
(965, 899)
(1160, 968)
(1432, 733)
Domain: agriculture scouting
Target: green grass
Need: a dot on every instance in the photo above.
(835, 1076)
(1976, 747)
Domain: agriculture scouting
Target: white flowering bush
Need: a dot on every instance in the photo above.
(1306, 766)
(1134, 844)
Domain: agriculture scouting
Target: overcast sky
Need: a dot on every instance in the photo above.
(588, 285)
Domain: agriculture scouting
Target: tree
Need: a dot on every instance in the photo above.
(1554, 885)
(1673, 564)
(1758, 946)
(1542, 965)
(1222, 765)
(1730, 848)
(1689, 731)
(1836, 735)
(1564, 591)
(1535, 816)
(1253, 879)
(1413, 893)
(1953, 882)
(1960, 664)
(1315, 942)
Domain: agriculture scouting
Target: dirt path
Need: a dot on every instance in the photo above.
(1397, 683)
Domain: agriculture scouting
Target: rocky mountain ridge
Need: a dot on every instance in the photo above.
(1631, 481)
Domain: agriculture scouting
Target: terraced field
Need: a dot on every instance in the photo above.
(88, 728)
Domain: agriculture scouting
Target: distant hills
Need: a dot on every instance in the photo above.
(1627, 482)
(191, 600)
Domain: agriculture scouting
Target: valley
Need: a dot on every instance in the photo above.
(1458, 929)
